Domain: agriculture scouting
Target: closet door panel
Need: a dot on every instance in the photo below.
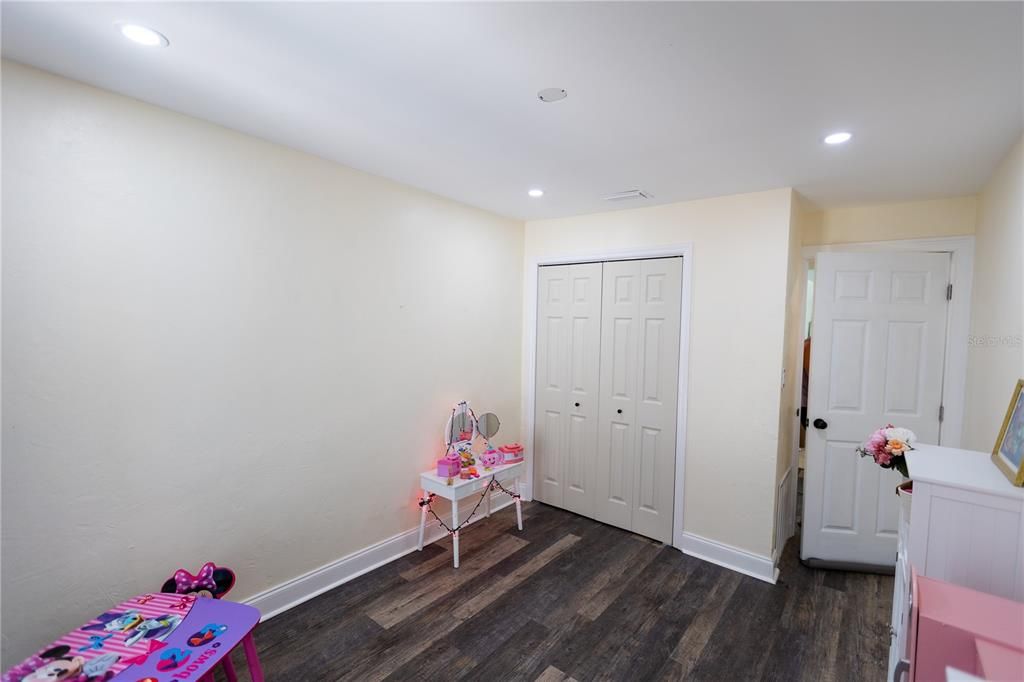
(657, 396)
(568, 357)
(615, 455)
(552, 382)
(582, 408)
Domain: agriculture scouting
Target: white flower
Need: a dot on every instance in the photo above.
(901, 434)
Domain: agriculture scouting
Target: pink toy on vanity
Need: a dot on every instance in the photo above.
(448, 467)
(511, 453)
(491, 458)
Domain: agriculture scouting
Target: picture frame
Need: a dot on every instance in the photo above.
(1008, 453)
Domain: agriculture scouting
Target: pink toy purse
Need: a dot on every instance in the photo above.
(511, 453)
(448, 466)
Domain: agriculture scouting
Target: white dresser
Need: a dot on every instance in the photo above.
(963, 524)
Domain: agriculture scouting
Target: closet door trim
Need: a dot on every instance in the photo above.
(534, 263)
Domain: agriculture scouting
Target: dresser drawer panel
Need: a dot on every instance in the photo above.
(974, 545)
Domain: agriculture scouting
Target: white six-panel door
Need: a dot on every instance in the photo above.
(639, 384)
(877, 356)
(607, 385)
(568, 357)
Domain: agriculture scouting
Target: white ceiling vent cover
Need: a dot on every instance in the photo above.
(628, 194)
(552, 94)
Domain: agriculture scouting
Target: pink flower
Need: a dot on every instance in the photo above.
(877, 442)
(882, 458)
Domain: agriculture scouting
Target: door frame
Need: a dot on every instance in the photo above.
(958, 321)
(684, 250)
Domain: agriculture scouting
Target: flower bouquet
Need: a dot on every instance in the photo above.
(889, 446)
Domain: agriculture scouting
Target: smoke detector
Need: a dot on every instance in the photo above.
(551, 94)
(628, 194)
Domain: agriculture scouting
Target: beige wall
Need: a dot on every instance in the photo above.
(995, 351)
(792, 350)
(740, 253)
(216, 348)
(796, 285)
(879, 222)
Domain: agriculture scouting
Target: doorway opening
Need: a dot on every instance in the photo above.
(882, 345)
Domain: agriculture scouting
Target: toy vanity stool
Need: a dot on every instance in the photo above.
(459, 475)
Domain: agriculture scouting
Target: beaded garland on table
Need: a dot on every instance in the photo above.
(491, 485)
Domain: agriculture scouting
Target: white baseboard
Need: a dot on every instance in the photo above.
(739, 560)
(280, 598)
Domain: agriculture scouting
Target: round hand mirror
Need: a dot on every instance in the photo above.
(487, 425)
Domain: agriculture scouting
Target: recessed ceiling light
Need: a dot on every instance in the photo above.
(838, 138)
(143, 35)
(551, 94)
(536, 193)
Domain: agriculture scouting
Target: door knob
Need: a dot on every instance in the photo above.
(577, 404)
(820, 423)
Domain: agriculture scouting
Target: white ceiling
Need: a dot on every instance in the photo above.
(682, 100)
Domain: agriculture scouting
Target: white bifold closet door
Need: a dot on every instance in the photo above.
(607, 385)
(568, 357)
(636, 443)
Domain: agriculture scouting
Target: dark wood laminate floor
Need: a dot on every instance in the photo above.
(570, 598)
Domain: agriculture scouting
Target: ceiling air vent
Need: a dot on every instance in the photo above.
(628, 194)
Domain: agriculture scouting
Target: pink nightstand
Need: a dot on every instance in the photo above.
(997, 662)
(971, 631)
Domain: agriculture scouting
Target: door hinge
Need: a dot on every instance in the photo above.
(942, 412)
(949, 292)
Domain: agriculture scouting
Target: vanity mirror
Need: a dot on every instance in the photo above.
(487, 426)
(461, 428)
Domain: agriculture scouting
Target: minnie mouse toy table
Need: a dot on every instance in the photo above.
(158, 637)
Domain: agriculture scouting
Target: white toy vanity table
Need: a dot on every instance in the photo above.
(460, 433)
(461, 489)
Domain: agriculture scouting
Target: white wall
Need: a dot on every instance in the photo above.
(216, 348)
(947, 217)
(740, 259)
(996, 352)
